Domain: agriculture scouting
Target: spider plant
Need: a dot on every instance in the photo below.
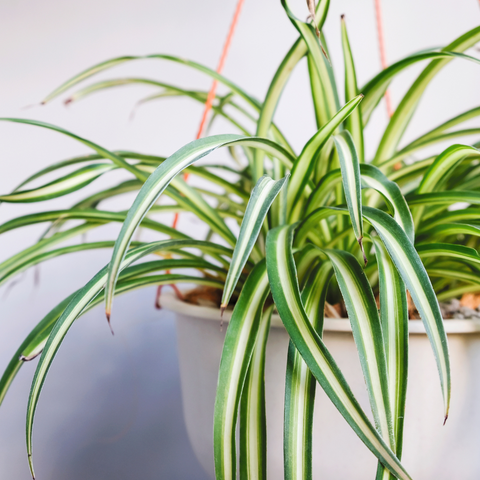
(289, 231)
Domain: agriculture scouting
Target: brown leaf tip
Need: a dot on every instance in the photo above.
(446, 418)
(108, 321)
(342, 17)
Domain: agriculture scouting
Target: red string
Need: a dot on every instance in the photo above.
(206, 110)
(383, 54)
(213, 89)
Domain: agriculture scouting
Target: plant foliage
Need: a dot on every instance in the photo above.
(289, 231)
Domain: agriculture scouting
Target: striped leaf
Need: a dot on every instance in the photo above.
(410, 150)
(242, 333)
(354, 123)
(262, 197)
(441, 169)
(159, 181)
(413, 273)
(405, 110)
(394, 317)
(303, 167)
(372, 177)
(445, 198)
(458, 252)
(89, 215)
(367, 332)
(78, 303)
(311, 37)
(103, 152)
(447, 229)
(375, 89)
(253, 421)
(283, 281)
(300, 383)
(453, 122)
(350, 166)
(67, 184)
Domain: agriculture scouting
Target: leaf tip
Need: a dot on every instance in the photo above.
(223, 307)
(107, 314)
(446, 418)
(342, 17)
(30, 464)
(68, 101)
(157, 297)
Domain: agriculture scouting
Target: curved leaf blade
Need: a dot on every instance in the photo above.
(394, 317)
(240, 339)
(300, 383)
(284, 285)
(260, 201)
(303, 167)
(413, 273)
(350, 167)
(159, 181)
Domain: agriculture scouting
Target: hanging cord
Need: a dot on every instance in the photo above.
(383, 54)
(213, 89)
(206, 111)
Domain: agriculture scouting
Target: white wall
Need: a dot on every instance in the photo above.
(44, 42)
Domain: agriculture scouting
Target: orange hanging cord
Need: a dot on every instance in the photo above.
(206, 111)
(383, 54)
(213, 89)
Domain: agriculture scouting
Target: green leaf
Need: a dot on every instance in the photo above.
(303, 167)
(32, 346)
(260, 201)
(459, 252)
(375, 89)
(284, 285)
(253, 421)
(445, 198)
(350, 166)
(413, 273)
(372, 177)
(410, 149)
(367, 332)
(62, 186)
(78, 303)
(242, 333)
(466, 214)
(394, 317)
(107, 154)
(300, 383)
(405, 110)
(354, 123)
(446, 229)
(444, 165)
(324, 69)
(437, 131)
(90, 215)
(441, 169)
(160, 179)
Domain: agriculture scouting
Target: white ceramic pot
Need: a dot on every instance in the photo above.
(431, 451)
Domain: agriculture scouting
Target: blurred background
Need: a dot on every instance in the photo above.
(111, 407)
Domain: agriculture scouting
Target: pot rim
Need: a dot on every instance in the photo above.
(171, 302)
